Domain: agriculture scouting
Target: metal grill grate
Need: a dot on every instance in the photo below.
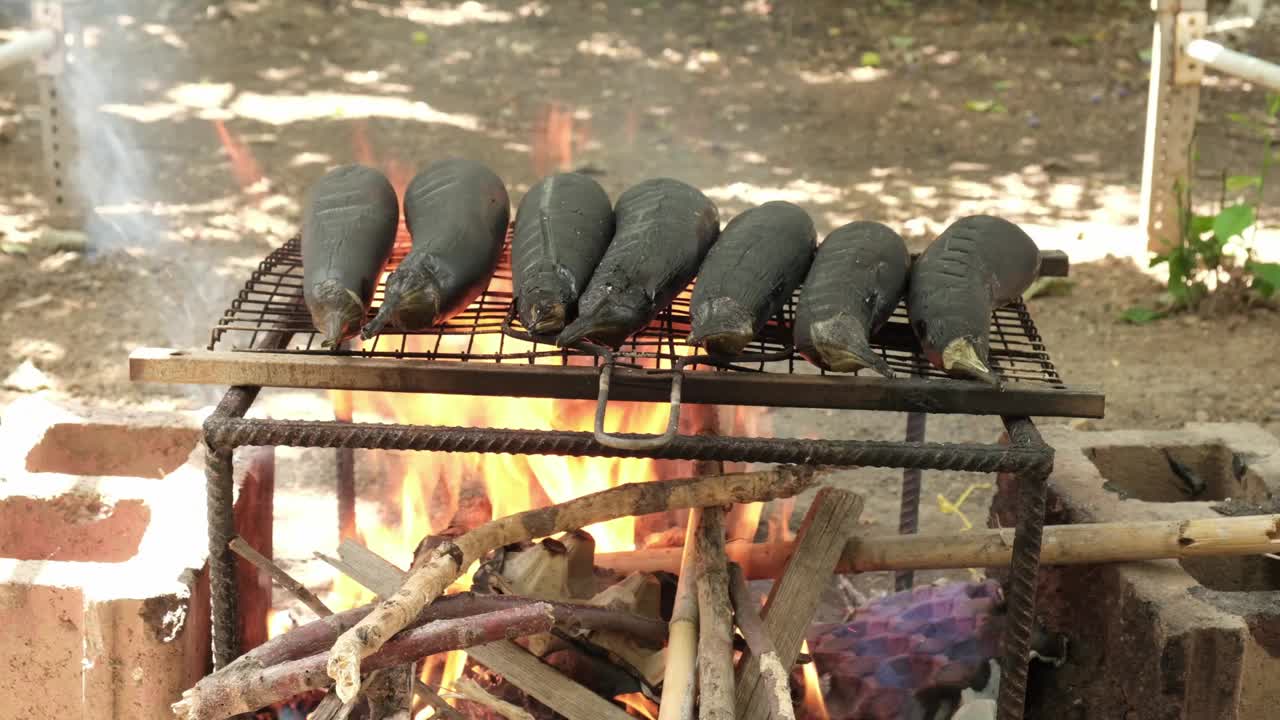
(488, 331)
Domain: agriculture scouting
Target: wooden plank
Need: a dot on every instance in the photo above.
(331, 372)
(830, 524)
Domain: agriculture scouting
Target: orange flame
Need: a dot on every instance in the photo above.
(555, 133)
(815, 706)
(244, 166)
(639, 705)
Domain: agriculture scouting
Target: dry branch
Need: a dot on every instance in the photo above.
(679, 679)
(831, 522)
(1085, 544)
(715, 620)
(447, 562)
(537, 679)
(282, 578)
(772, 673)
(468, 689)
(228, 693)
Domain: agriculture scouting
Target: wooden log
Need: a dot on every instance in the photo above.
(747, 616)
(537, 679)
(228, 693)
(832, 520)
(1085, 544)
(282, 578)
(679, 678)
(254, 521)
(715, 619)
(446, 563)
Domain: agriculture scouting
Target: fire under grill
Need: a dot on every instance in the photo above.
(266, 339)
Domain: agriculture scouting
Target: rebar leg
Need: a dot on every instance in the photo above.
(346, 494)
(909, 510)
(223, 590)
(1023, 571)
(220, 493)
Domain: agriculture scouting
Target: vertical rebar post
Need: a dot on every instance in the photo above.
(223, 588)
(909, 510)
(1024, 569)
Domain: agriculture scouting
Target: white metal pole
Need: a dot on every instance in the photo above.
(1230, 62)
(27, 46)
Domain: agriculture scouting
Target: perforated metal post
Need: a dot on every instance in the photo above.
(1172, 102)
(57, 130)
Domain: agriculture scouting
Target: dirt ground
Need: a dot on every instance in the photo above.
(203, 123)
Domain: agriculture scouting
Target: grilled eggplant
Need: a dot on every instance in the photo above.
(563, 226)
(347, 234)
(858, 276)
(457, 211)
(977, 264)
(664, 230)
(757, 263)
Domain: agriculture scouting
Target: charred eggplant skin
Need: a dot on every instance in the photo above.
(977, 264)
(563, 226)
(755, 266)
(457, 211)
(348, 230)
(858, 277)
(664, 229)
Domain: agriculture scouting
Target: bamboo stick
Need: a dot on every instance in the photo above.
(446, 563)
(679, 677)
(1085, 544)
(715, 619)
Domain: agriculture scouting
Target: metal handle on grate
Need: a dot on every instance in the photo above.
(650, 442)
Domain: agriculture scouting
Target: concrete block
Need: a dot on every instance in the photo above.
(104, 607)
(1198, 638)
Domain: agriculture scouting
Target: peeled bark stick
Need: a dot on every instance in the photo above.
(447, 562)
(831, 522)
(537, 679)
(242, 692)
(715, 620)
(1085, 544)
(467, 689)
(679, 678)
(282, 578)
(774, 676)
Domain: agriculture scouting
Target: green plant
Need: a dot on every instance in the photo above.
(1200, 265)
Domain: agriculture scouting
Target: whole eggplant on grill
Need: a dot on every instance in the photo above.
(977, 264)
(563, 226)
(457, 211)
(348, 230)
(664, 229)
(757, 263)
(858, 276)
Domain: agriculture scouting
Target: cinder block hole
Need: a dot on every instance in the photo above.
(75, 527)
(89, 449)
(1145, 473)
(1237, 574)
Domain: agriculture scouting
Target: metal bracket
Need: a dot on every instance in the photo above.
(57, 127)
(47, 15)
(1189, 25)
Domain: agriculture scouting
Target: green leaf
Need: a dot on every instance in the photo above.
(1236, 183)
(1140, 315)
(1232, 221)
(1201, 224)
(901, 42)
(1002, 85)
(870, 58)
(1273, 104)
(1079, 39)
(1266, 277)
(1239, 118)
(1048, 287)
(1158, 260)
(419, 37)
(1145, 55)
(980, 105)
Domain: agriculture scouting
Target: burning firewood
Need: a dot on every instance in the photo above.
(445, 564)
(715, 620)
(831, 522)
(772, 673)
(680, 674)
